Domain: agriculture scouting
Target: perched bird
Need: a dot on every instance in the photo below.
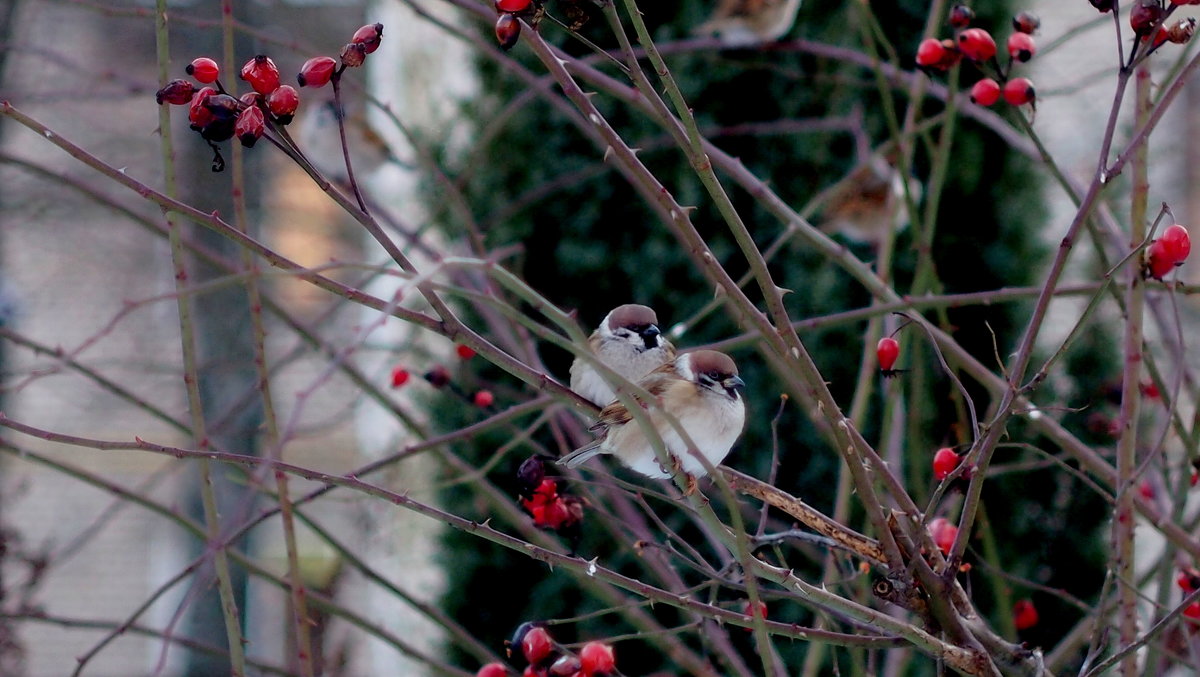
(868, 203)
(702, 391)
(628, 342)
(741, 23)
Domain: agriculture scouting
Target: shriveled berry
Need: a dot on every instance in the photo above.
(369, 37)
(250, 126)
(400, 376)
(1105, 6)
(175, 92)
(316, 72)
(961, 16)
(1026, 22)
(1176, 243)
(283, 103)
(985, 92)
(1144, 15)
(465, 352)
(1158, 262)
(944, 463)
(438, 377)
(886, 352)
(530, 475)
(1025, 614)
(198, 113)
(353, 55)
(597, 659)
(536, 645)
(508, 30)
(1181, 31)
(943, 534)
(976, 44)
(513, 6)
(204, 69)
(1019, 91)
(1021, 47)
(492, 670)
(484, 399)
(261, 73)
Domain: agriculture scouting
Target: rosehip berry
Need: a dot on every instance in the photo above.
(762, 609)
(985, 92)
(597, 659)
(492, 670)
(1185, 2)
(198, 113)
(961, 16)
(886, 352)
(1188, 580)
(353, 55)
(1160, 37)
(1176, 244)
(536, 645)
(250, 126)
(1158, 263)
(400, 376)
(1194, 478)
(465, 352)
(531, 671)
(484, 399)
(976, 44)
(1181, 32)
(513, 6)
(1105, 6)
(1144, 15)
(1019, 91)
(175, 92)
(316, 72)
(1026, 23)
(944, 463)
(438, 376)
(283, 103)
(1021, 47)
(943, 534)
(204, 69)
(1025, 614)
(369, 37)
(930, 53)
(565, 666)
(1192, 613)
(508, 30)
(1150, 390)
(261, 73)
(1146, 490)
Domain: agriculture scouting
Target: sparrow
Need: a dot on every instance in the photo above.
(741, 23)
(868, 203)
(629, 342)
(702, 391)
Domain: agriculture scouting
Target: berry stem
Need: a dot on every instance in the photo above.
(340, 114)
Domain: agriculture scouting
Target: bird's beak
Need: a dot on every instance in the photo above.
(650, 336)
(733, 383)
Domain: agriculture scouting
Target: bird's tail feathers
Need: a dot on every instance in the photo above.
(581, 455)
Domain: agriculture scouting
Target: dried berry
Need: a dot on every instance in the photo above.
(1026, 23)
(261, 73)
(961, 16)
(316, 72)
(530, 475)
(353, 55)
(1145, 15)
(508, 30)
(176, 92)
(204, 69)
(438, 376)
(1181, 31)
(1104, 6)
(198, 113)
(369, 37)
(249, 126)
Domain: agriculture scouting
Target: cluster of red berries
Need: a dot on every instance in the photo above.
(1025, 614)
(1147, 19)
(542, 657)
(550, 508)
(219, 116)
(439, 377)
(978, 47)
(508, 25)
(1168, 251)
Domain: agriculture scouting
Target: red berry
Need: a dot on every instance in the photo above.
(944, 463)
(1194, 478)
(1144, 15)
(283, 103)
(565, 666)
(1026, 23)
(492, 670)
(762, 609)
(1150, 390)
(204, 69)
(1146, 490)
(985, 92)
(886, 351)
(597, 659)
(176, 92)
(961, 16)
(1158, 262)
(943, 534)
(1021, 46)
(465, 352)
(976, 44)
(316, 72)
(353, 55)
(508, 29)
(1176, 243)
(369, 37)
(1025, 615)
(484, 399)
(1188, 580)
(198, 113)
(930, 53)
(1192, 612)
(1019, 91)
(513, 6)
(261, 73)
(249, 126)
(400, 376)
(536, 645)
